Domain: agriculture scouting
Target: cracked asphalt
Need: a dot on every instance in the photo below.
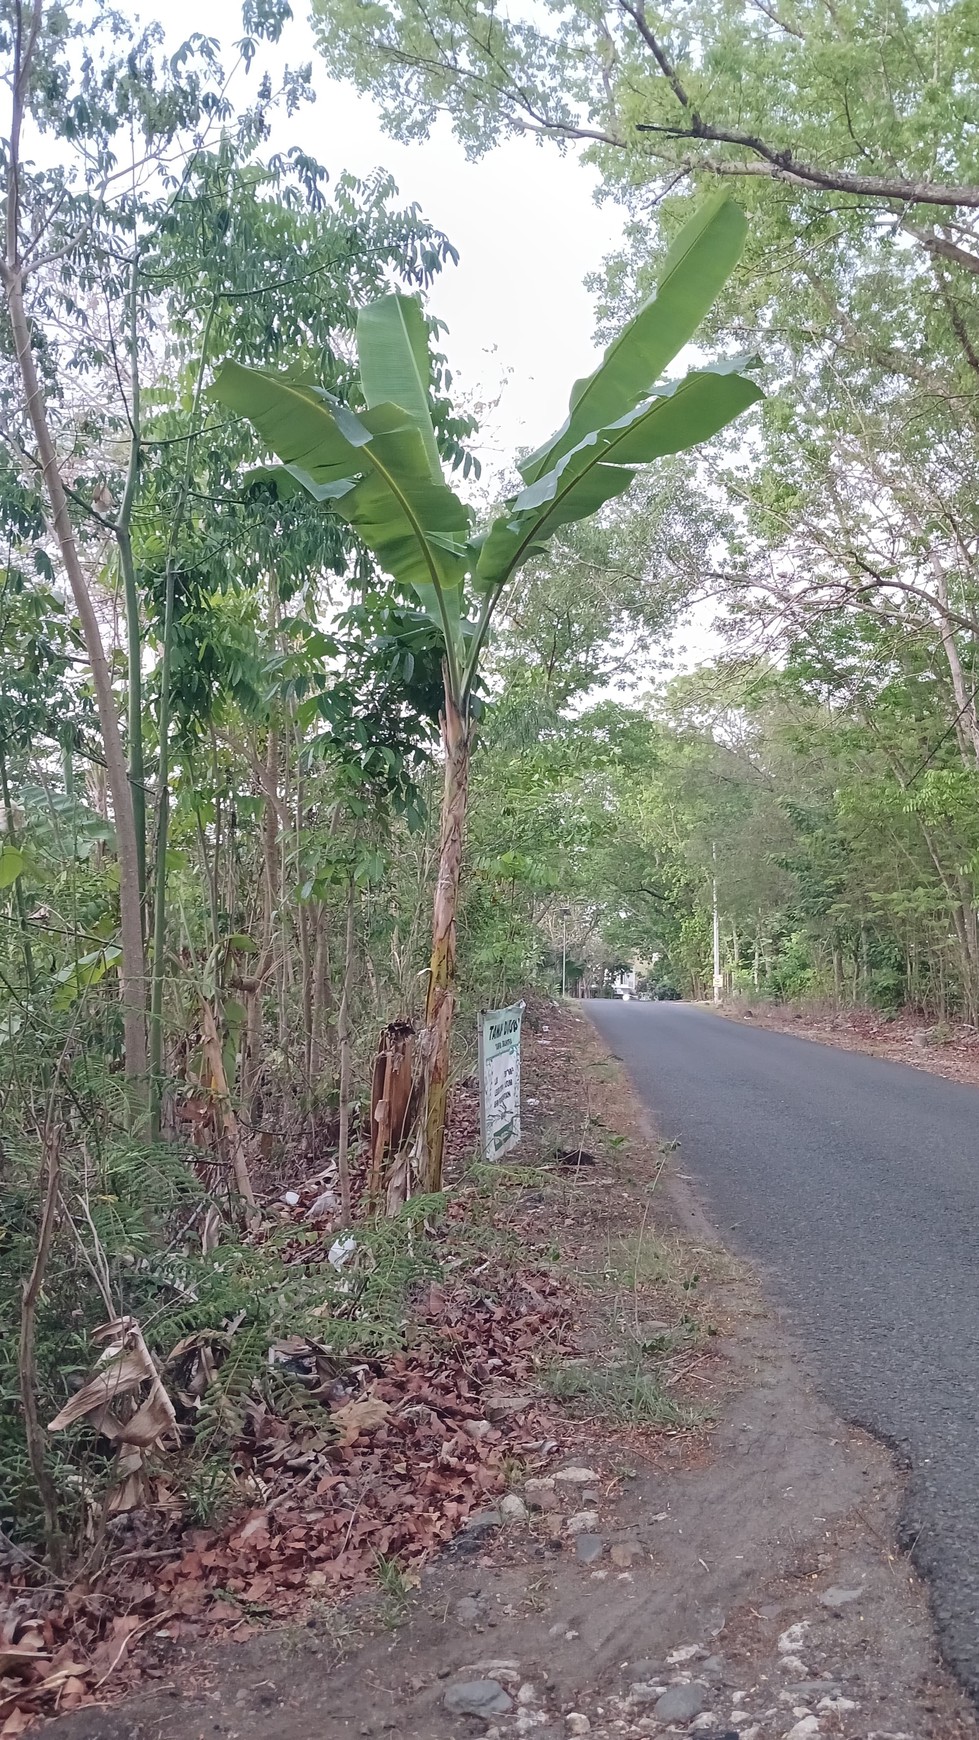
(854, 1184)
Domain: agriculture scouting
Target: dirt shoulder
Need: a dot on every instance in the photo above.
(683, 1541)
(947, 1049)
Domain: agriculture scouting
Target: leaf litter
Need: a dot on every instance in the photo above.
(385, 1461)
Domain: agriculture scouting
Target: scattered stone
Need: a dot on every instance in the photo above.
(470, 1610)
(837, 1598)
(540, 1495)
(588, 1548)
(836, 1706)
(625, 1553)
(681, 1703)
(686, 1652)
(793, 1665)
(713, 1665)
(705, 1724)
(803, 1729)
(576, 1476)
(500, 1407)
(646, 1691)
(482, 1521)
(512, 1508)
(591, 1496)
(645, 1670)
(477, 1430)
(792, 1639)
(478, 1698)
(326, 1203)
(583, 1522)
(576, 1723)
(526, 1694)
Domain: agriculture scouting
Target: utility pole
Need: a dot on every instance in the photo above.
(718, 981)
(564, 951)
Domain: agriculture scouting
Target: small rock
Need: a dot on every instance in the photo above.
(540, 1494)
(681, 1703)
(583, 1522)
(837, 1597)
(482, 1521)
(837, 1706)
(588, 1548)
(500, 1407)
(470, 1610)
(576, 1476)
(478, 1698)
(706, 1724)
(792, 1639)
(793, 1665)
(713, 1665)
(625, 1553)
(686, 1652)
(290, 1198)
(526, 1694)
(576, 1723)
(646, 1691)
(512, 1508)
(803, 1729)
(326, 1203)
(591, 1496)
(476, 1429)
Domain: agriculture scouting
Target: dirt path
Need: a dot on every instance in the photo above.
(946, 1049)
(737, 1577)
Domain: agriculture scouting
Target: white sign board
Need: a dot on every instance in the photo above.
(499, 1080)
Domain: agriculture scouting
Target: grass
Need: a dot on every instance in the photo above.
(395, 1586)
(625, 1393)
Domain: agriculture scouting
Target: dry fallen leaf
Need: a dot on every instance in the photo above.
(357, 1417)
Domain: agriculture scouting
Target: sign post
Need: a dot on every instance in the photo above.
(499, 1080)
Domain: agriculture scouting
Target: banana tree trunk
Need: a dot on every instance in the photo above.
(440, 1002)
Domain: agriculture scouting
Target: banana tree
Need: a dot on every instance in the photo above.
(379, 468)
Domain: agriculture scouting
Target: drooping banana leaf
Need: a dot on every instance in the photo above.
(603, 464)
(696, 268)
(375, 470)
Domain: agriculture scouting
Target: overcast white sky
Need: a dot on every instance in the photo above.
(523, 219)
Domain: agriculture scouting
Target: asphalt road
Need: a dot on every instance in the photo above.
(855, 1183)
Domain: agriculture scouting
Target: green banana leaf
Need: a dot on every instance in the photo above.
(392, 350)
(374, 469)
(603, 465)
(697, 266)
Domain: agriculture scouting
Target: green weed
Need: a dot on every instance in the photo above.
(624, 1393)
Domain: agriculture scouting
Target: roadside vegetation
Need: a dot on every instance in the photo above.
(313, 741)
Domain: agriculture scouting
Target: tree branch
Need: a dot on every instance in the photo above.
(783, 166)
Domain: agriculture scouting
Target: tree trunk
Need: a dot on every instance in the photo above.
(27, 1353)
(346, 1054)
(132, 967)
(440, 1001)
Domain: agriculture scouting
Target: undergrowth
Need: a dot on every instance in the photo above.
(626, 1393)
(128, 1243)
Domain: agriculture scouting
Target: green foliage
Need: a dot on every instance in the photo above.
(628, 1394)
(379, 468)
